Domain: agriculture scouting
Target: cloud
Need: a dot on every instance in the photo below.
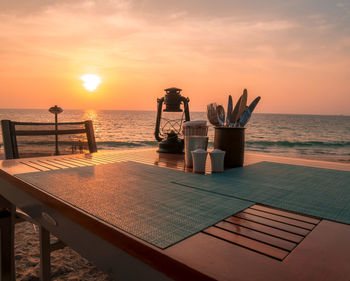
(173, 39)
(152, 31)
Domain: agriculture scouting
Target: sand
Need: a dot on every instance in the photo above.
(66, 264)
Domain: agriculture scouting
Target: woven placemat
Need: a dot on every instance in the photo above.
(138, 199)
(323, 193)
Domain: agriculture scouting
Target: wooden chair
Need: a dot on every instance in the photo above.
(22, 135)
(17, 137)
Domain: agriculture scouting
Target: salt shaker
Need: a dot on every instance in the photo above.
(192, 143)
(217, 157)
(199, 159)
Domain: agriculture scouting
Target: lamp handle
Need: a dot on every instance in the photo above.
(186, 108)
(159, 115)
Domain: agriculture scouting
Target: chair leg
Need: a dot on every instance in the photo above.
(44, 254)
(7, 243)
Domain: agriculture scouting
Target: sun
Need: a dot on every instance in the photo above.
(91, 81)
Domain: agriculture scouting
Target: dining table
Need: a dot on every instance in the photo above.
(142, 215)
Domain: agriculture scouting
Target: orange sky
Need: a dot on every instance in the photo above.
(296, 55)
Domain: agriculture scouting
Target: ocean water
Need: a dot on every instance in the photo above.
(316, 137)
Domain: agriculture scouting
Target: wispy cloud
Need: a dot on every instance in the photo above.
(174, 39)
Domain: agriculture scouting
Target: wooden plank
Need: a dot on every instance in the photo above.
(116, 158)
(15, 167)
(323, 255)
(84, 162)
(266, 229)
(81, 161)
(101, 161)
(92, 161)
(61, 164)
(70, 162)
(247, 243)
(112, 157)
(50, 163)
(227, 261)
(47, 165)
(35, 166)
(48, 124)
(286, 214)
(259, 236)
(49, 132)
(278, 225)
(274, 217)
(96, 162)
(39, 164)
(76, 161)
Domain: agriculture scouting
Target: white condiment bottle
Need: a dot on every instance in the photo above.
(199, 157)
(217, 157)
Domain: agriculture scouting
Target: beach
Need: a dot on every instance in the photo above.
(66, 264)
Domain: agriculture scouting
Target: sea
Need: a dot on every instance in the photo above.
(316, 137)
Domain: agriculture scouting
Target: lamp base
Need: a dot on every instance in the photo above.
(171, 146)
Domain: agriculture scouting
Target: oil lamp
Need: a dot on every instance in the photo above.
(168, 131)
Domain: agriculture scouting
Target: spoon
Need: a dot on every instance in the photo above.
(212, 115)
(221, 114)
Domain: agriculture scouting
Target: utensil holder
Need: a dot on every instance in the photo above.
(230, 140)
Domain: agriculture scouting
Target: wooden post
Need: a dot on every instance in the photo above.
(56, 136)
(44, 254)
(56, 110)
(90, 136)
(7, 243)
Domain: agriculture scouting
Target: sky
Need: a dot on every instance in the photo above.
(294, 54)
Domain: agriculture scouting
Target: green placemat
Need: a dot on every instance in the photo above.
(138, 199)
(312, 191)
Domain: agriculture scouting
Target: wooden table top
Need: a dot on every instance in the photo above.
(259, 243)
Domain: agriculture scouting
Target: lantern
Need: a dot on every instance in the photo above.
(168, 131)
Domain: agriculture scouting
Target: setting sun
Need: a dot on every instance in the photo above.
(91, 81)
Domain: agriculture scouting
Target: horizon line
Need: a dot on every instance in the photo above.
(148, 110)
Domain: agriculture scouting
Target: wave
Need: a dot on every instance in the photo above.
(248, 143)
(126, 144)
(104, 144)
(299, 144)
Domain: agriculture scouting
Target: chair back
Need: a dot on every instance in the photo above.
(29, 139)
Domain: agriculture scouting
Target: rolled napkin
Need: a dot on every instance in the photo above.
(217, 157)
(199, 159)
(195, 128)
